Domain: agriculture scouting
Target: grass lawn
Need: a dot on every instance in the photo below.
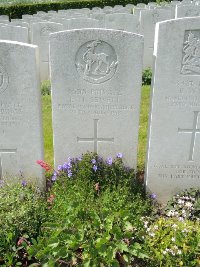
(47, 123)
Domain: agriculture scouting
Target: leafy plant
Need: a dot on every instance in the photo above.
(46, 88)
(22, 212)
(95, 215)
(147, 76)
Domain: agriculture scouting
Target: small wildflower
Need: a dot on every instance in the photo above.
(153, 196)
(152, 234)
(67, 166)
(173, 239)
(60, 167)
(119, 155)
(24, 183)
(93, 161)
(44, 165)
(181, 219)
(95, 168)
(69, 174)
(54, 177)
(109, 161)
(188, 204)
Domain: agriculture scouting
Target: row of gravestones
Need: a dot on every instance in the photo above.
(35, 29)
(96, 87)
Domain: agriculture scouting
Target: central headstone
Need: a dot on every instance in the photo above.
(96, 81)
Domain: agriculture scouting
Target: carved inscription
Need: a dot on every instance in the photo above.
(95, 139)
(3, 79)
(191, 53)
(95, 102)
(186, 95)
(10, 114)
(186, 172)
(46, 30)
(96, 61)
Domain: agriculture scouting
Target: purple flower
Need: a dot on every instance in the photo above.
(119, 155)
(109, 161)
(67, 166)
(54, 177)
(79, 158)
(95, 168)
(93, 161)
(60, 167)
(24, 183)
(153, 196)
(69, 174)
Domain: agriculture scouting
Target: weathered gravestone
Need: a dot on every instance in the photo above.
(187, 11)
(21, 140)
(14, 33)
(96, 84)
(40, 37)
(173, 160)
(148, 20)
(80, 23)
(124, 22)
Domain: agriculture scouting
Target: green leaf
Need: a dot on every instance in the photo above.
(87, 263)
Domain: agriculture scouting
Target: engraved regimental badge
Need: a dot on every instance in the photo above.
(191, 53)
(3, 79)
(46, 30)
(96, 61)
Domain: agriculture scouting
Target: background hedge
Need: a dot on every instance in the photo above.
(17, 10)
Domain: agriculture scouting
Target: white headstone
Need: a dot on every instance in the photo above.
(21, 140)
(14, 33)
(148, 20)
(96, 97)
(4, 17)
(40, 37)
(19, 23)
(80, 23)
(174, 134)
(187, 11)
(124, 22)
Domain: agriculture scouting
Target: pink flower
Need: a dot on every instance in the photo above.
(44, 165)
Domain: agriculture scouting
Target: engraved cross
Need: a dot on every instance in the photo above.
(95, 139)
(193, 131)
(5, 151)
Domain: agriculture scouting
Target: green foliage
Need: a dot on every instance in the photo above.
(17, 10)
(146, 76)
(170, 243)
(22, 211)
(94, 218)
(46, 88)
